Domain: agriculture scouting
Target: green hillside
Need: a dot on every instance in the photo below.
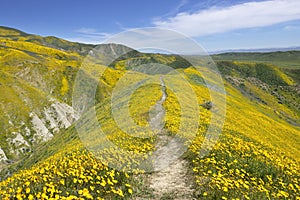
(287, 59)
(50, 41)
(37, 76)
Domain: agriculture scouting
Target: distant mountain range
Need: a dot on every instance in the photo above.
(286, 59)
(261, 50)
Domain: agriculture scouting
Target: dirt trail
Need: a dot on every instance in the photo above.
(170, 179)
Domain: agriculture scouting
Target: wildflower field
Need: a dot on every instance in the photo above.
(248, 161)
(255, 157)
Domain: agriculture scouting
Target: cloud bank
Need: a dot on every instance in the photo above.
(220, 20)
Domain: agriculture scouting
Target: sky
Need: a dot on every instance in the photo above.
(214, 24)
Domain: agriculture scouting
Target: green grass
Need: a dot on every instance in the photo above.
(288, 59)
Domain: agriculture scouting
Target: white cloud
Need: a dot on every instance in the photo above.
(90, 36)
(246, 15)
(93, 33)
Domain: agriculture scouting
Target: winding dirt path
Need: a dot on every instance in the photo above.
(170, 179)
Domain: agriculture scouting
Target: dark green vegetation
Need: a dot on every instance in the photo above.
(287, 59)
(266, 84)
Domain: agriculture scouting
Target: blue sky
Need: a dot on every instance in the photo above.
(215, 24)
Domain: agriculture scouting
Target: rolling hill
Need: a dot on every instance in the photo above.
(286, 59)
(43, 154)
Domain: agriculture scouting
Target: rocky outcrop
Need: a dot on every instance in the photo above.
(54, 118)
(18, 144)
(41, 128)
(2, 156)
(41, 131)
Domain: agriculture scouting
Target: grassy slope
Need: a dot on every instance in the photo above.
(248, 123)
(256, 157)
(289, 59)
(255, 140)
(33, 71)
(50, 41)
(41, 66)
(19, 100)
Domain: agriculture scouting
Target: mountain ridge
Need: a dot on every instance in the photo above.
(256, 50)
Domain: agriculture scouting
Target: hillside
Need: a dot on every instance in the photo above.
(286, 59)
(37, 76)
(266, 84)
(256, 156)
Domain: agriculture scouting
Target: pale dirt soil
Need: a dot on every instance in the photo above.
(171, 178)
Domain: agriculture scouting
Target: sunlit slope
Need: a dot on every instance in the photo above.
(52, 42)
(268, 85)
(251, 118)
(37, 78)
(46, 68)
(63, 167)
(47, 63)
(18, 100)
(256, 157)
(259, 122)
